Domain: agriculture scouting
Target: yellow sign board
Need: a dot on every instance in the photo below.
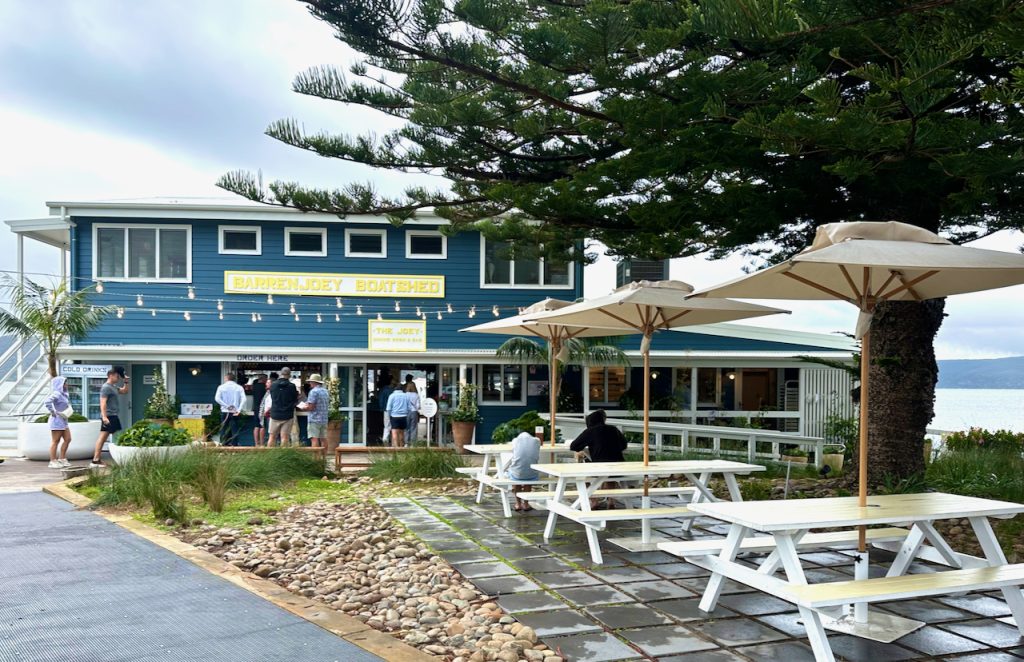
(398, 335)
(333, 285)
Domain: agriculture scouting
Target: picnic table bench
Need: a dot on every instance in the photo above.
(833, 605)
(492, 472)
(589, 477)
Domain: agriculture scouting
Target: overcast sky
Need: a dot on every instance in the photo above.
(126, 99)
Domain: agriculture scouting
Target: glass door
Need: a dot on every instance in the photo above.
(352, 392)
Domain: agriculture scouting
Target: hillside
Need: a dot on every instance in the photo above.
(982, 373)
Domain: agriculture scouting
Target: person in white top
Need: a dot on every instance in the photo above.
(231, 398)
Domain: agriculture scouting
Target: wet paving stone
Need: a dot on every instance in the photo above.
(789, 623)
(924, 610)
(666, 640)
(646, 558)
(478, 570)
(454, 544)
(687, 609)
(934, 641)
(537, 601)
(555, 623)
(523, 552)
(855, 649)
(623, 574)
(989, 657)
(755, 604)
(697, 585)
(786, 651)
(737, 631)
(566, 579)
(656, 590)
(542, 564)
(468, 556)
(587, 596)
(618, 617)
(992, 633)
(977, 603)
(503, 585)
(706, 656)
(677, 570)
(601, 647)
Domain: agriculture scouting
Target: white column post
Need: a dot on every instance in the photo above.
(332, 370)
(21, 281)
(693, 395)
(586, 388)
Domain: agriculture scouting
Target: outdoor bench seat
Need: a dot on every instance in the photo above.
(832, 594)
(632, 514)
(469, 471)
(616, 492)
(761, 544)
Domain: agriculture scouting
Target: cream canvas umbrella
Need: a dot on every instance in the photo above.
(646, 307)
(555, 334)
(865, 263)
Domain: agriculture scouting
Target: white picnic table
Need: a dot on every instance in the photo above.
(831, 604)
(492, 473)
(589, 476)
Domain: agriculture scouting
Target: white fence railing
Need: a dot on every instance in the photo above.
(750, 443)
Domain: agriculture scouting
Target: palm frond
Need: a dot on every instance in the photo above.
(522, 350)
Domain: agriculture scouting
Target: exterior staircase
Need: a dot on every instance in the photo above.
(23, 386)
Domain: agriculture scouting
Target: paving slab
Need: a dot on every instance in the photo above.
(737, 631)
(554, 623)
(618, 617)
(599, 647)
(786, 651)
(666, 640)
(515, 603)
(661, 589)
(934, 641)
(588, 596)
(993, 633)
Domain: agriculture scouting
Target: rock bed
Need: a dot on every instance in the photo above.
(358, 560)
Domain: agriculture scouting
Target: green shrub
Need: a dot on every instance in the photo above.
(794, 451)
(467, 410)
(161, 404)
(414, 464)
(145, 434)
(756, 489)
(528, 422)
(213, 475)
(844, 431)
(991, 474)
(991, 440)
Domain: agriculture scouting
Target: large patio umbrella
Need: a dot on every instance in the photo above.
(646, 307)
(555, 334)
(865, 263)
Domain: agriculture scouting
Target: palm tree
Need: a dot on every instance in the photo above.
(577, 351)
(53, 315)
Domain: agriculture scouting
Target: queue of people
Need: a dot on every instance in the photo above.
(402, 412)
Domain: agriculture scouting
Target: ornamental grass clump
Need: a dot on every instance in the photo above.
(417, 463)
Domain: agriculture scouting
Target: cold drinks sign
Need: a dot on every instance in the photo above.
(398, 336)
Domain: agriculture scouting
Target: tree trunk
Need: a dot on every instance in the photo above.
(901, 392)
(51, 360)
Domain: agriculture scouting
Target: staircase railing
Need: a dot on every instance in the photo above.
(22, 355)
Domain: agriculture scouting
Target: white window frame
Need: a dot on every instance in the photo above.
(383, 234)
(502, 402)
(96, 227)
(239, 228)
(512, 275)
(604, 385)
(409, 234)
(288, 231)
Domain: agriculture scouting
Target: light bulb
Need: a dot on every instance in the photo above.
(220, 316)
(220, 304)
(188, 316)
(449, 308)
(270, 299)
(291, 309)
(254, 318)
(318, 318)
(337, 317)
(120, 313)
(153, 312)
(419, 313)
(99, 287)
(259, 317)
(296, 318)
(397, 307)
(472, 311)
(380, 318)
(496, 311)
(359, 310)
(338, 303)
(439, 315)
(191, 293)
(138, 300)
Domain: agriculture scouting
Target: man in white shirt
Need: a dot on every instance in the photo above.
(231, 398)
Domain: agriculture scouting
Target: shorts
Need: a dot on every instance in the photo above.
(318, 430)
(113, 425)
(257, 422)
(282, 428)
(399, 422)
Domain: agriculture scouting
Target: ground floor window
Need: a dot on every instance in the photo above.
(503, 384)
(607, 385)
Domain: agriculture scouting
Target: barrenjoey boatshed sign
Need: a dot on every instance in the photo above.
(333, 285)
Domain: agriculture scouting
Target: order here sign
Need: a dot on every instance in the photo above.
(398, 335)
(333, 285)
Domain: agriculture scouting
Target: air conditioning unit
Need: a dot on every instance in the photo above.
(628, 270)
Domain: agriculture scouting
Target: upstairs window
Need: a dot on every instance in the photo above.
(426, 245)
(239, 240)
(499, 270)
(142, 252)
(366, 243)
(305, 242)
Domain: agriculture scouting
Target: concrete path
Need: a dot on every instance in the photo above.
(79, 588)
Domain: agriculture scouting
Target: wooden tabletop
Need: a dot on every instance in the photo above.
(659, 468)
(484, 449)
(800, 514)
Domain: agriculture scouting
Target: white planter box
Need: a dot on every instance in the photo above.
(34, 440)
(123, 454)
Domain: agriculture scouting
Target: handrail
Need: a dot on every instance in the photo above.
(688, 433)
(31, 394)
(14, 349)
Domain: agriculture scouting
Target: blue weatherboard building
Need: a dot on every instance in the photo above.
(202, 289)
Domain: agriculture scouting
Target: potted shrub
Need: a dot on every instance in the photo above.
(464, 417)
(335, 418)
(34, 438)
(161, 408)
(794, 455)
(833, 456)
(145, 438)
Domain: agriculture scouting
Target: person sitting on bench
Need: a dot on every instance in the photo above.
(525, 452)
(603, 442)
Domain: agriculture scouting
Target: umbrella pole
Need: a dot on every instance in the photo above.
(862, 566)
(553, 384)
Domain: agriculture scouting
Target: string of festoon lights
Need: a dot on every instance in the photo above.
(184, 304)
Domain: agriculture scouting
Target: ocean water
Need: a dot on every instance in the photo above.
(993, 409)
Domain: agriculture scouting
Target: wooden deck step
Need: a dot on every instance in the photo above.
(832, 594)
(759, 544)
